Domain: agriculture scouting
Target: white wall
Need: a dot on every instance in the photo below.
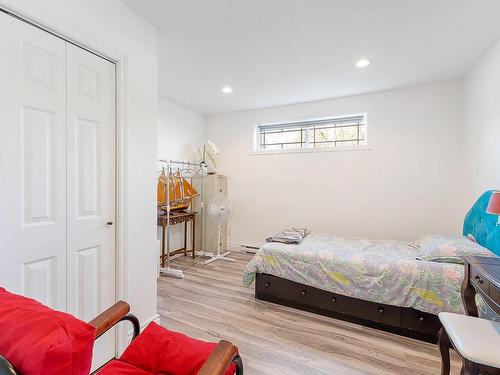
(110, 27)
(405, 186)
(180, 131)
(481, 131)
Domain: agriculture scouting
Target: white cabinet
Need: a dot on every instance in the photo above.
(206, 228)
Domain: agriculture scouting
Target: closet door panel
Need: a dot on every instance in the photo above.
(91, 189)
(32, 162)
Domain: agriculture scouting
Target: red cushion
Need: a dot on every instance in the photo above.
(160, 351)
(116, 367)
(39, 340)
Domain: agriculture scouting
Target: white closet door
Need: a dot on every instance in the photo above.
(91, 190)
(32, 162)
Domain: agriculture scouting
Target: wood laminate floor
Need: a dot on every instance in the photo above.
(210, 303)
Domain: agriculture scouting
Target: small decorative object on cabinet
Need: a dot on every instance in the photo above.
(208, 154)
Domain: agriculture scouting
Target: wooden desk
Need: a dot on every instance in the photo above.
(482, 275)
(178, 217)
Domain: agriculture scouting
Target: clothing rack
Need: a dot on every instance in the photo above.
(188, 166)
(187, 170)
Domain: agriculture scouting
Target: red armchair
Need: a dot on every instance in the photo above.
(35, 339)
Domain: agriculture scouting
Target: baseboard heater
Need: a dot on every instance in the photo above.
(249, 248)
(243, 248)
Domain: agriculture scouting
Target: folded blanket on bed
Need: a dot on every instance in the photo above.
(290, 236)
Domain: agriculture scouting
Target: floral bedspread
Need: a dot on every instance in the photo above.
(379, 271)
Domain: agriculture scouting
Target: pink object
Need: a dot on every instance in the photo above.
(494, 204)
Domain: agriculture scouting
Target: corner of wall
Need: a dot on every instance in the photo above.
(480, 151)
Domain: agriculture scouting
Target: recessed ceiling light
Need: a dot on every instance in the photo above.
(227, 90)
(363, 63)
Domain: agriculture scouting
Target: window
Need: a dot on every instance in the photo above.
(347, 131)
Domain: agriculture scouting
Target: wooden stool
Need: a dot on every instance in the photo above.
(476, 340)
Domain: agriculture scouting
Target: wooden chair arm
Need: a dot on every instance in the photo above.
(220, 359)
(110, 317)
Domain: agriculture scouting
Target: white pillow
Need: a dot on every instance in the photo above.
(449, 248)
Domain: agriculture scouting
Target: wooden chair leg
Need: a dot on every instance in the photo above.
(469, 368)
(444, 349)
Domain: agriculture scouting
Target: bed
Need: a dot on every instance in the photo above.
(377, 283)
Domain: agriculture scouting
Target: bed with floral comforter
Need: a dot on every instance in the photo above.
(378, 271)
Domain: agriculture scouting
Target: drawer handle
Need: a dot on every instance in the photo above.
(267, 284)
(304, 292)
(479, 280)
(334, 299)
(421, 319)
(381, 310)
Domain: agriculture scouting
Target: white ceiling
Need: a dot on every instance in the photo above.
(275, 52)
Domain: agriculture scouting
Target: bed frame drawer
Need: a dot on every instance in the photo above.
(336, 303)
(289, 291)
(380, 313)
(406, 321)
(420, 321)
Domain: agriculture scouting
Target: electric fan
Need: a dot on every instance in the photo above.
(219, 210)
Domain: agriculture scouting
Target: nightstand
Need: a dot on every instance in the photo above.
(482, 275)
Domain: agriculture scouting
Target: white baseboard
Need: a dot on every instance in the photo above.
(155, 318)
(242, 248)
(125, 333)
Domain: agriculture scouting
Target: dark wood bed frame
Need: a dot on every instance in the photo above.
(401, 320)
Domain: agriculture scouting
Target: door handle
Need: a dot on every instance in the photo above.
(109, 223)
